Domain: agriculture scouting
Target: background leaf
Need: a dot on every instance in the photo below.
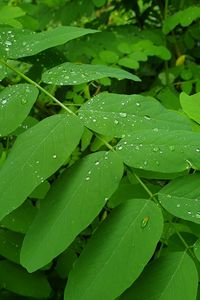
(191, 105)
(184, 17)
(117, 252)
(14, 278)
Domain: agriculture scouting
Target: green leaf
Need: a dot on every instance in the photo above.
(20, 219)
(197, 249)
(8, 14)
(184, 17)
(181, 197)
(117, 115)
(126, 191)
(117, 252)
(36, 154)
(172, 276)
(71, 73)
(161, 150)
(191, 105)
(15, 104)
(71, 205)
(40, 191)
(10, 245)
(14, 278)
(22, 43)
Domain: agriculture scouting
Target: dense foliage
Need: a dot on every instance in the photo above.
(99, 149)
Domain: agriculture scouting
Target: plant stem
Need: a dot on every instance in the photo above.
(37, 86)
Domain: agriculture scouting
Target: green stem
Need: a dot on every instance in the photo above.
(37, 86)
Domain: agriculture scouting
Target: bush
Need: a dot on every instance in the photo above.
(99, 149)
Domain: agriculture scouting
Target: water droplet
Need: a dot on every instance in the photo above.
(169, 196)
(123, 115)
(97, 163)
(4, 101)
(120, 148)
(145, 221)
(189, 212)
(54, 156)
(116, 122)
(137, 104)
(147, 117)
(178, 205)
(155, 129)
(172, 148)
(24, 101)
(87, 178)
(198, 215)
(155, 149)
(106, 199)
(94, 120)
(197, 150)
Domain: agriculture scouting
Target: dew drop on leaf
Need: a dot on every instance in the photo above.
(24, 101)
(123, 115)
(145, 221)
(155, 149)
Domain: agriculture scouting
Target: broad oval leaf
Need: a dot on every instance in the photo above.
(191, 105)
(181, 197)
(15, 104)
(161, 150)
(172, 276)
(71, 73)
(117, 252)
(36, 154)
(14, 278)
(72, 203)
(116, 115)
(22, 43)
